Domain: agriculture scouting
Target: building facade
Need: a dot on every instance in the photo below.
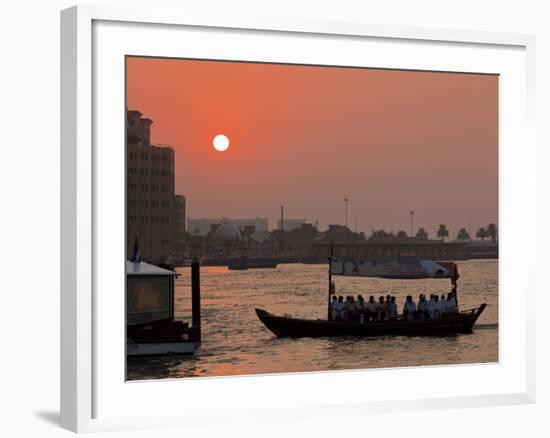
(290, 224)
(393, 249)
(150, 192)
(179, 226)
(203, 226)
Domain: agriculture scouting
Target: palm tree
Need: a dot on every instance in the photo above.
(443, 232)
(422, 234)
(492, 231)
(401, 235)
(482, 233)
(381, 234)
(463, 234)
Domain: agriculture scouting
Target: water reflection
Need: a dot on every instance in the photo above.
(235, 342)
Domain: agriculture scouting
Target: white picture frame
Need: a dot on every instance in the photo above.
(92, 393)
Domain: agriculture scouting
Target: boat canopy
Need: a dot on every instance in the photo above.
(409, 269)
(142, 268)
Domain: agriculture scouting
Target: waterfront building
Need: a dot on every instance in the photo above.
(202, 226)
(392, 249)
(179, 225)
(150, 192)
(340, 233)
(290, 224)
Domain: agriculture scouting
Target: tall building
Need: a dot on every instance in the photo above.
(150, 192)
(179, 225)
(203, 226)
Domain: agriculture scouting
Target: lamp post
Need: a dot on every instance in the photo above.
(346, 200)
(412, 223)
(282, 228)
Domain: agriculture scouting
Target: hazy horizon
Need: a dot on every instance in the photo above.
(307, 137)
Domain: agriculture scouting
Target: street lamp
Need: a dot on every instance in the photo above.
(346, 200)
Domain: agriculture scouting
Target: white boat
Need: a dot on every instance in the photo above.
(160, 348)
(151, 328)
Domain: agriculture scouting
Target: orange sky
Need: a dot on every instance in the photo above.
(308, 137)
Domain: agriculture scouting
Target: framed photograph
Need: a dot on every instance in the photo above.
(279, 217)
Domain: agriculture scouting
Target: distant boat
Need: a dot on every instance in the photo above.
(264, 265)
(244, 265)
(238, 267)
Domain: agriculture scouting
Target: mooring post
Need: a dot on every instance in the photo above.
(196, 296)
(330, 288)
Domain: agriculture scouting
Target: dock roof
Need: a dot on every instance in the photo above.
(142, 268)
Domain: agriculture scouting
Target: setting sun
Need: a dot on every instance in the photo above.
(220, 142)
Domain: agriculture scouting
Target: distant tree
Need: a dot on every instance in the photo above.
(482, 233)
(401, 235)
(381, 234)
(442, 232)
(463, 234)
(492, 231)
(422, 234)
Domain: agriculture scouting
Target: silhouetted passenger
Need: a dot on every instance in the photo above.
(360, 309)
(442, 304)
(393, 309)
(371, 309)
(340, 308)
(435, 309)
(350, 309)
(423, 307)
(382, 311)
(409, 308)
(450, 304)
(334, 308)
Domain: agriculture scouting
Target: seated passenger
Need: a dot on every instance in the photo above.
(341, 309)
(435, 311)
(360, 309)
(382, 313)
(393, 309)
(450, 304)
(350, 309)
(371, 309)
(334, 308)
(442, 304)
(387, 306)
(422, 308)
(409, 309)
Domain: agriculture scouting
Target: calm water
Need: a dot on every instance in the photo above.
(235, 342)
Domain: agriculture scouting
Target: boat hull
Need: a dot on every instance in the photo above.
(160, 348)
(297, 328)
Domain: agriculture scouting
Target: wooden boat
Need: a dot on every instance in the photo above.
(406, 269)
(262, 265)
(244, 265)
(238, 267)
(288, 327)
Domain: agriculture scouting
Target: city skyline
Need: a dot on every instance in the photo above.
(419, 141)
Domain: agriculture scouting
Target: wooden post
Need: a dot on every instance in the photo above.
(196, 296)
(330, 281)
(282, 229)
(454, 283)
